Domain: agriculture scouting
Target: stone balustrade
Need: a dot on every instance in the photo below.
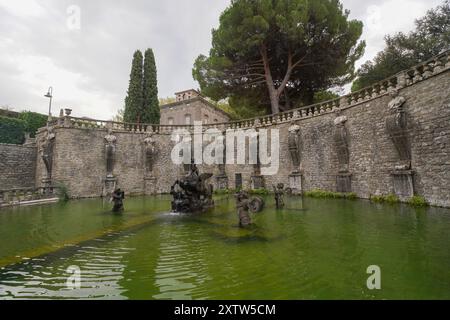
(401, 80)
(23, 195)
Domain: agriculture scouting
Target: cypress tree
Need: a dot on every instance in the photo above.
(134, 100)
(151, 113)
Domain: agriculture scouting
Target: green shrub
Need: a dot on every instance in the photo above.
(418, 201)
(33, 121)
(261, 192)
(390, 198)
(12, 130)
(321, 194)
(62, 192)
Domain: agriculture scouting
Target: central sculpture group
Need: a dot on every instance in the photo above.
(192, 193)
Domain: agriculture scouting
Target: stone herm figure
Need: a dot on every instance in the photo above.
(47, 146)
(341, 143)
(396, 125)
(295, 146)
(110, 150)
(150, 153)
(117, 197)
(279, 195)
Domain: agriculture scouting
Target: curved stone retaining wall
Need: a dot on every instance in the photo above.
(346, 145)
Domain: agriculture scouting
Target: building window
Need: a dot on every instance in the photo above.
(187, 118)
(170, 121)
(206, 119)
(215, 120)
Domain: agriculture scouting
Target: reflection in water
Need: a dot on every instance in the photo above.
(311, 249)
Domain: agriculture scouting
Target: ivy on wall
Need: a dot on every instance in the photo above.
(12, 130)
(33, 121)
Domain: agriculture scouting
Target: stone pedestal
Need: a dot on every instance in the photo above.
(344, 182)
(149, 185)
(295, 183)
(222, 182)
(109, 185)
(403, 183)
(257, 182)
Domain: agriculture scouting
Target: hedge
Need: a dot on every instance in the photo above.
(12, 130)
(33, 121)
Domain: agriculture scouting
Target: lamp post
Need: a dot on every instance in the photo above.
(49, 95)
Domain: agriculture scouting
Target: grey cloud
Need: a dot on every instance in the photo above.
(101, 52)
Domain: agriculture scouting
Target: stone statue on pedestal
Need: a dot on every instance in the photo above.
(396, 125)
(341, 143)
(295, 146)
(150, 153)
(110, 150)
(47, 147)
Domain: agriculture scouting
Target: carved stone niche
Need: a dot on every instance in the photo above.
(150, 154)
(340, 136)
(110, 153)
(396, 127)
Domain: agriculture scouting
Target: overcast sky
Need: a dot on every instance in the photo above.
(87, 61)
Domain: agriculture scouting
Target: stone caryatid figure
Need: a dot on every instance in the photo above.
(110, 151)
(396, 125)
(47, 147)
(150, 153)
(295, 146)
(341, 143)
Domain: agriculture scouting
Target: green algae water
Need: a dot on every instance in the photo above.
(312, 249)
